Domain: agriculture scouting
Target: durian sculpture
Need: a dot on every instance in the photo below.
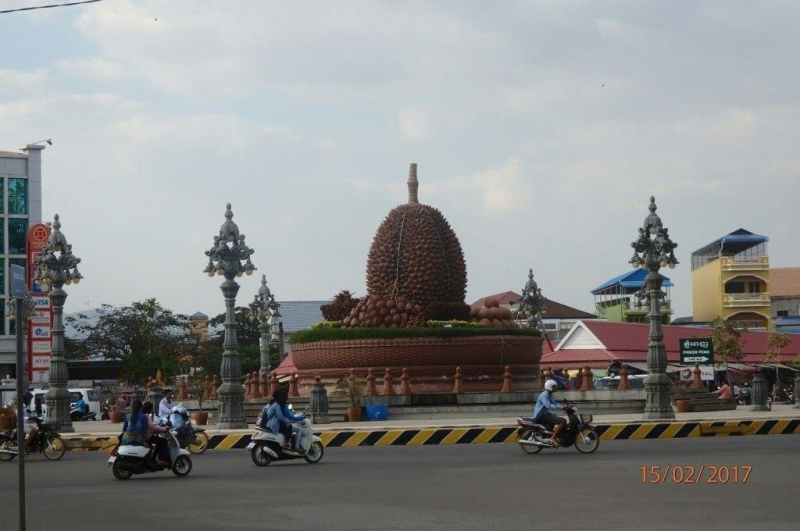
(415, 269)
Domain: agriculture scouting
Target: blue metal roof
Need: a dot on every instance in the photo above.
(632, 279)
(737, 241)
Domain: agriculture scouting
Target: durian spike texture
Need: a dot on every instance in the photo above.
(415, 254)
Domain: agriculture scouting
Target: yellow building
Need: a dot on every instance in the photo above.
(730, 279)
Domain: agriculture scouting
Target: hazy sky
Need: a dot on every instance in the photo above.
(541, 129)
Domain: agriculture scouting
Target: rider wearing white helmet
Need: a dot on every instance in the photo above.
(542, 415)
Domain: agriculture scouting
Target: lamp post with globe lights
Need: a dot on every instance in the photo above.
(259, 309)
(276, 325)
(652, 251)
(225, 259)
(56, 266)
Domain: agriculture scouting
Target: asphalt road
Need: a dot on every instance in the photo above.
(464, 487)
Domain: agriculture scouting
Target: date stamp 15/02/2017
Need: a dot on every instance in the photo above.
(694, 475)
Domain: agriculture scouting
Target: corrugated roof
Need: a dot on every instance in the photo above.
(736, 241)
(300, 315)
(12, 155)
(553, 309)
(784, 282)
(632, 279)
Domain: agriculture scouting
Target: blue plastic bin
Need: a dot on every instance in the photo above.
(377, 412)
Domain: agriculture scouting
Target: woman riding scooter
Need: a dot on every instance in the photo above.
(279, 419)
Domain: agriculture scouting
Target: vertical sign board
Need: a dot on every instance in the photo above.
(40, 348)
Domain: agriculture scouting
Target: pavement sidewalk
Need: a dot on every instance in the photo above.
(106, 428)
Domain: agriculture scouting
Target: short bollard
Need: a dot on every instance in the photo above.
(318, 402)
(405, 388)
(759, 393)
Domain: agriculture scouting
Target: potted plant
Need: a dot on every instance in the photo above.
(682, 402)
(352, 387)
(197, 388)
(113, 406)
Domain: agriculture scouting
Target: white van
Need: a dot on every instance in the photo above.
(90, 396)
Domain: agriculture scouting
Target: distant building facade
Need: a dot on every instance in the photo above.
(20, 207)
(784, 291)
(618, 300)
(731, 280)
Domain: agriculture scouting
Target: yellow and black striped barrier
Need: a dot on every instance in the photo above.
(478, 435)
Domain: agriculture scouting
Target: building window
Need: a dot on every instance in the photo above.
(734, 287)
(2, 191)
(18, 196)
(3, 280)
(17, 235)
(783, 313)
(755, 287)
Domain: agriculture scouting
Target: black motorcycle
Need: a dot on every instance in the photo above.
(578, 432)
(193, 439)
(78, 415)
(47, 442)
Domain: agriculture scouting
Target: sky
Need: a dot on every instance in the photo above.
(540, 128)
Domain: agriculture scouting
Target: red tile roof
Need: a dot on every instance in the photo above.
(628, 342)
(784, 282)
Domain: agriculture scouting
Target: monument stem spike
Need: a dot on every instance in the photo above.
(413, 184)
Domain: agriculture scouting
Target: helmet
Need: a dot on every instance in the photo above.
(27, 395)
(551, 385)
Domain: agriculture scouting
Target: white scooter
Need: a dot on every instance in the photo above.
(266, 446)
(128, 460)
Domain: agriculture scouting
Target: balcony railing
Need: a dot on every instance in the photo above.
(729, 264)
(746, 299)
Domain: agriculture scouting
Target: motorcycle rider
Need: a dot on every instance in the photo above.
(165, 406)
(31, 426)
(542, 415)
(81, 406)
(279, 418)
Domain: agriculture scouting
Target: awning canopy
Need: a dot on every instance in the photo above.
(778, 366)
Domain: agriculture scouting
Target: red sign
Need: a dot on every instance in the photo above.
(40, 345)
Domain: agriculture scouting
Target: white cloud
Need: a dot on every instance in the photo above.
(415, 124)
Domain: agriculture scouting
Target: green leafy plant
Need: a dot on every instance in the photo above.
(351, 386)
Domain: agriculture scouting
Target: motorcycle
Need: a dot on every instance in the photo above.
(193, 439)
(127, 460)
(76, 414)
(266, 446)
(533, 437)
(47, 442)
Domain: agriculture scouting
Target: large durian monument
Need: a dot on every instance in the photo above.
(415, 269)
(415, 273)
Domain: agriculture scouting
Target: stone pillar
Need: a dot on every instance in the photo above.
(371, 390)
(318, 402)
(215, 384)
(154, 395)
(248, 385)
(388, 385)
(759, 393)
(506, 381)
(264, 385)
(623, 378)
(457, 381)
(405, 388)
(697, 382)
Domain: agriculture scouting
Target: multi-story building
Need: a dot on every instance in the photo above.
(20, 207)
(730, 280)
(622, 299)
(784, 292)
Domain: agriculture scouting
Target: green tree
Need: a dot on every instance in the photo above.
(775, 342)
(727, 339)
(146, 336)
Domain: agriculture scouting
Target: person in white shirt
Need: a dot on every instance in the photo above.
(165, 406)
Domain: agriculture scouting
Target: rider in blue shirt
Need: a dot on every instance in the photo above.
(542, 415)
(81, 405)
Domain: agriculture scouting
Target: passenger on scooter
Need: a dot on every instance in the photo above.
(542, 415)
(160, 450)
(134, 429)
(279, 418)
(31, 427)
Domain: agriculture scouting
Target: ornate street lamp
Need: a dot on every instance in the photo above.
(259, 309)
(225, 258)
(55, 267)
(652, 251)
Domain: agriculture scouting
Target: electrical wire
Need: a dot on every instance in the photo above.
(47, 7)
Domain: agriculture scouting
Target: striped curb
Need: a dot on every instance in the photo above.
(481, 435)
